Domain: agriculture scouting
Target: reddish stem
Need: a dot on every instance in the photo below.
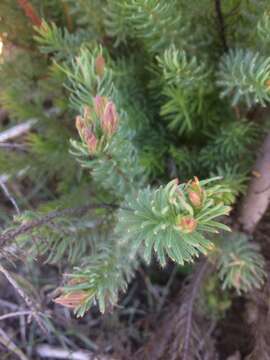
(30, 12)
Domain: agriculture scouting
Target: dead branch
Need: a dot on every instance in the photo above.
(9, 344)
(179, 334)
(15, 314)
(28, 301)
(9, 196)
(17, 130)
(257, 199)
(46, 351)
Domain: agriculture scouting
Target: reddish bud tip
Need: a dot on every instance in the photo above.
(196, 193)
(91, 141)
(100, 103)
(109, 120)
(100, 65)
(195, 199)
(79, 123)
(187, 224)
(72, 300)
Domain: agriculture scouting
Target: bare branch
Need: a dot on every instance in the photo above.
(196, 285)
(182, 331)
(25, 297)
(15, 314)
(9, 196)
(17, 130)
(46, 351)
(9, 344)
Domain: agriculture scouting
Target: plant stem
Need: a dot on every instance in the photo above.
(221, 24)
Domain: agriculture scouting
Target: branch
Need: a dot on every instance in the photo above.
(221, 25)
(177, 333)
(31, 225)
(9, 344)
(28, 301)
(15, 314)
(17, 130)
(196, 286)
(257, 199)
(46, 351)
(30, 12)
(9, 196)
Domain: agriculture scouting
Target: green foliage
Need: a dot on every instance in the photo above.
(180, 70)
(185, 160)
(83, 82)
(13, 22)
(101, 277)
(63, 238)
(234, 179)
(124, 172)
(263, 28)
(88, 15)
(17, 93)
(110, 168)
(240, 264)
(244, 75)
(58, 42)
(230, 146)
(152, 66)
(183, 81)
(165, 221)
(215, 301)
(156, 24)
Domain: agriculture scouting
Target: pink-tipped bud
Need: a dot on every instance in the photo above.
(80, 126)
(100, 65)
(100, 103)
(187, 224)
(196, 193)
(91, 141)
(109, 120)
(195, 199)
(72, 300)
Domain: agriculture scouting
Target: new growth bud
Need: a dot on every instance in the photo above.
(91, 141)
(100, 65)
(72, 300)
(196, 193)
(109, 120)
(195, 199)
(100, 103)
(79, 123)
(187, 224)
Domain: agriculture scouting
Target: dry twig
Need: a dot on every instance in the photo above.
(9, 344)
(17, 130)
(28, 301)
(46, 351)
